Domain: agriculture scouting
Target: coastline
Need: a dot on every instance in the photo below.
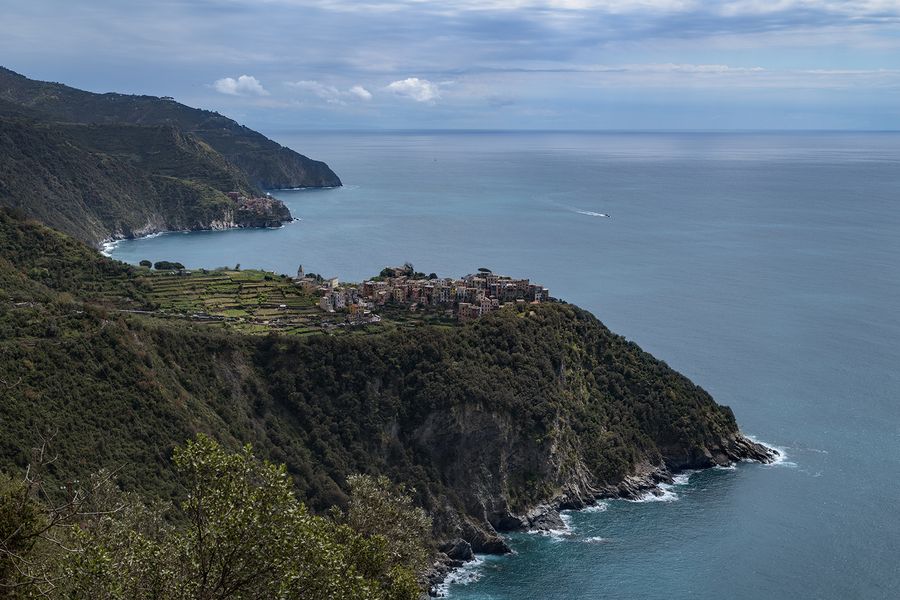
(305, 187)
(551, 518)
(108, 245)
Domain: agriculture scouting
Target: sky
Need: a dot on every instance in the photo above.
(479, 64)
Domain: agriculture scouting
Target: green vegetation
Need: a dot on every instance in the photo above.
(407, 270)
(267, 164)
(238, 532)
(483, 420)
(98, 166)
(379, 509)
(165, 265)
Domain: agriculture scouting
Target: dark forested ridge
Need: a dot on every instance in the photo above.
(99, 166)
(495, 423)
(268, 164)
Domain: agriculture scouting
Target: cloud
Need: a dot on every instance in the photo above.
(581, 60)
(361, 92)
(330, 93)
(245, 85)
(420, 90)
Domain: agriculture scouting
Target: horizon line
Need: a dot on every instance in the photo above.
(564, 130)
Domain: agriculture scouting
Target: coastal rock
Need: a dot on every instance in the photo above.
(545, 518)
(261, 212)
(743, 448)
(485, 541)
(733, 449)
(437, 573)
(458, 549)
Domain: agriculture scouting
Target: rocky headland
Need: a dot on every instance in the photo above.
(497, 424)
(580, 493)
(102, 167)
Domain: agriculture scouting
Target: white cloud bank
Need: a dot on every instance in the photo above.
(420, 90)
(245, 85)
(361, 92)
(330, 93)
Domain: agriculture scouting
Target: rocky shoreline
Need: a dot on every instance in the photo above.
(454, 554)
(249, 213)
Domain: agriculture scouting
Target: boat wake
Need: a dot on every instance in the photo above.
(591, 213)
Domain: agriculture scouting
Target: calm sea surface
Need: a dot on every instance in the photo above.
(766, 267)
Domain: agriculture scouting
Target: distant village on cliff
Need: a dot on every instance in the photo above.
(467, 298)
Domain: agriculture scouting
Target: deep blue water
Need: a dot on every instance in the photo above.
(763, 266)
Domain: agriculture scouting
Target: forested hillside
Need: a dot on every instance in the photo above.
(104, 166)
(267, 164)
(487, 421)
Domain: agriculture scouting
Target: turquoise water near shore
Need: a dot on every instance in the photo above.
(763, 266)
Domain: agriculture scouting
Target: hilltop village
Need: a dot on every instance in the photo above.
(466, 298)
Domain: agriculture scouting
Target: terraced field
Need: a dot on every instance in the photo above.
(251, 301)
(259, 302)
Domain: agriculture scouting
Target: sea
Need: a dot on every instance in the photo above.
(763, 265)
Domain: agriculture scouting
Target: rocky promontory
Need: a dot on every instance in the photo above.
(113, 166)
(261, 212)
(496, 424)
(486, 538)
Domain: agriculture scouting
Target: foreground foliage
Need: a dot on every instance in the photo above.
(240, 533)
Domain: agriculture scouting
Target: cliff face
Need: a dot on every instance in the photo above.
(504, 421)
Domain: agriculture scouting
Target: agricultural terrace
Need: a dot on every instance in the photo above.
(255, 302)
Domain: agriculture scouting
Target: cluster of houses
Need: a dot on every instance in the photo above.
(468, 298)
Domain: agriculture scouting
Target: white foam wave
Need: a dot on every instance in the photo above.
(466, 574)
(781, 456)
(598, 507)
(595, 540)
(665, 492)
(107, 247)
(662, 493)
(682, 478)
(557, 535)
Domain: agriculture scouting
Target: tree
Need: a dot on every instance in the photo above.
(165, 265)
(21, 520)
(146, 263)
(241, 533)
(38, 527)
(380, 508)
